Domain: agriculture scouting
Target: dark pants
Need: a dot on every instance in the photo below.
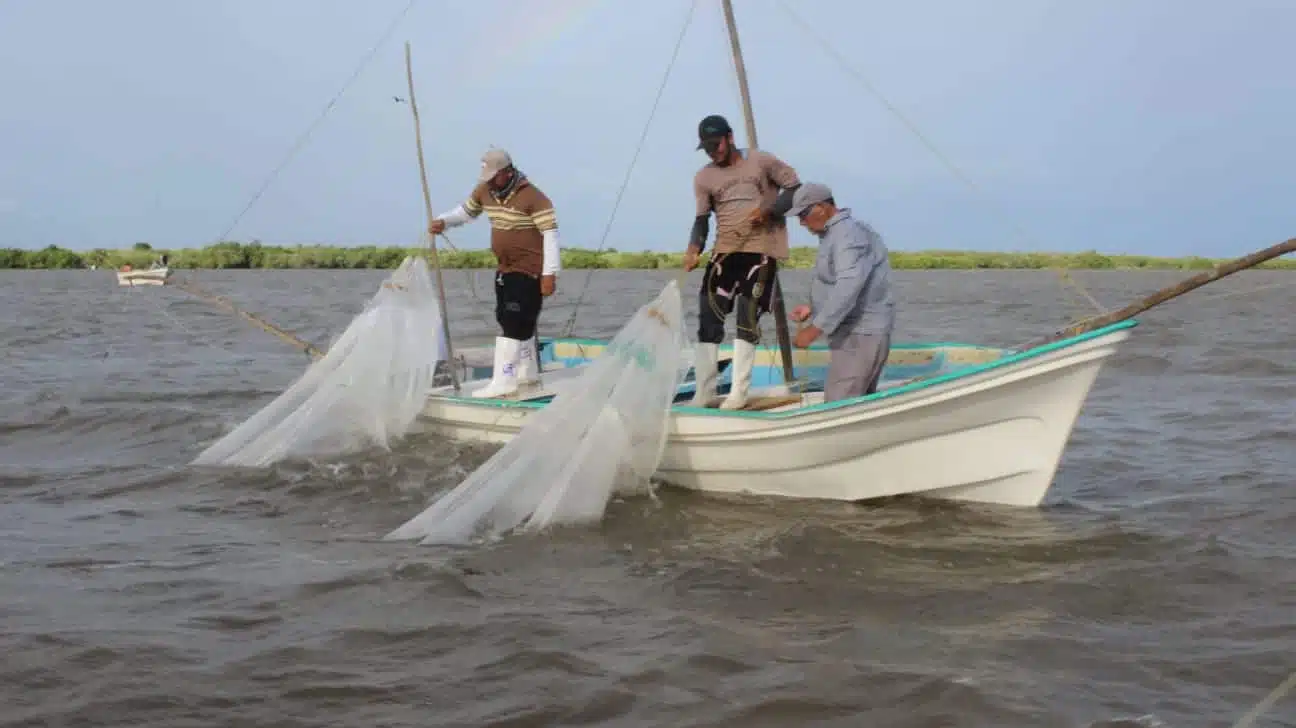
(742, 280)
(517, 304)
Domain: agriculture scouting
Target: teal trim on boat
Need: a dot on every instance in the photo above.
(932, 381)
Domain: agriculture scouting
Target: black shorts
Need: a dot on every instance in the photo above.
(517, 304)
(745, 280)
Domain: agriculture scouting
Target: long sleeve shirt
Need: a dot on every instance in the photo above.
(524, 227)
(850, 292)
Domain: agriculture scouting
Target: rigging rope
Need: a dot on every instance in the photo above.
(301, 140)
(643, 136)
(960, 174)
(187, 284)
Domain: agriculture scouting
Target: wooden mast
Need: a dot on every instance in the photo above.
(780, 312)
(427, 205)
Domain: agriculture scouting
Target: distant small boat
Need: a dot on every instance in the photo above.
(154, 276)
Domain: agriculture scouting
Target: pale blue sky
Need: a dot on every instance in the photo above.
(1150, 126)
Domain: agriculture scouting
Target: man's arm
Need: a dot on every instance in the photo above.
(701, 217)
(552, 254)
(455, 217)
(785, 178)
(853, 260)
(545, 218)
(547, 222)
(701, 229)
(464, 213)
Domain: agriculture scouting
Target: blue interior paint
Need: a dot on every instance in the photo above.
(945, 361)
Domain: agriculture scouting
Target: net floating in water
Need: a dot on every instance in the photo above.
(366, 391)
(604, 434)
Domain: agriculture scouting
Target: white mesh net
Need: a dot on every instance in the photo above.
(367, 390)
(604, 433)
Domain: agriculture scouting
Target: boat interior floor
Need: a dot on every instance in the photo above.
(556, 378)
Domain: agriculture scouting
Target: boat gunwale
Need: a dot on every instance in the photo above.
(965, 372)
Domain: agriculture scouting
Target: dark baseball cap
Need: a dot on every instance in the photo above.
(712, 127)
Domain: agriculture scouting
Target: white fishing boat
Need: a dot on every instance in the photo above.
(951, 421)
(148, 277)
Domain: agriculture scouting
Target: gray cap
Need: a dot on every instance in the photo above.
(810, 193)
(493, 161)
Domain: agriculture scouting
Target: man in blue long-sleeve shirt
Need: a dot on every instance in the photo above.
(850, 294)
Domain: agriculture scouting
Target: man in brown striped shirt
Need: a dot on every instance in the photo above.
(524, 239)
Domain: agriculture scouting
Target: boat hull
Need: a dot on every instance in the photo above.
(154, 277)
(990, 433)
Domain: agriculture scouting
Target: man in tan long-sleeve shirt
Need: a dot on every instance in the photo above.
(749, 192)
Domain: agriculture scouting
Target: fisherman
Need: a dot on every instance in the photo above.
(749, 191)
(524, 239)
(850, 294)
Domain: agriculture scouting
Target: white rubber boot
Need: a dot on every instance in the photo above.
(705, 362)
(503, 381)
(744, 357)
(528, 372)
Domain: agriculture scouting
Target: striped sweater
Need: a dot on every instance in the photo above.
(519, 224)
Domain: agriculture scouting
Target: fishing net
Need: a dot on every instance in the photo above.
(367, 390)
(602, 435)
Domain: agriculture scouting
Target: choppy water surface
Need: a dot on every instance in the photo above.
(1157, 587)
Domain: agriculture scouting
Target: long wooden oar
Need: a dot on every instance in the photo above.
(1267, 702)
(1170, 292)
(223, 303)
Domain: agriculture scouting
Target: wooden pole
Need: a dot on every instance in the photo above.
(1169, 292)
(221, 302)
(780, 311)
(427, 206)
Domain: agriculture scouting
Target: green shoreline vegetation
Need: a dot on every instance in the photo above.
(254, 255)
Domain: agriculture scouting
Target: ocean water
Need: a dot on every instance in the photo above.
(1156, 587)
